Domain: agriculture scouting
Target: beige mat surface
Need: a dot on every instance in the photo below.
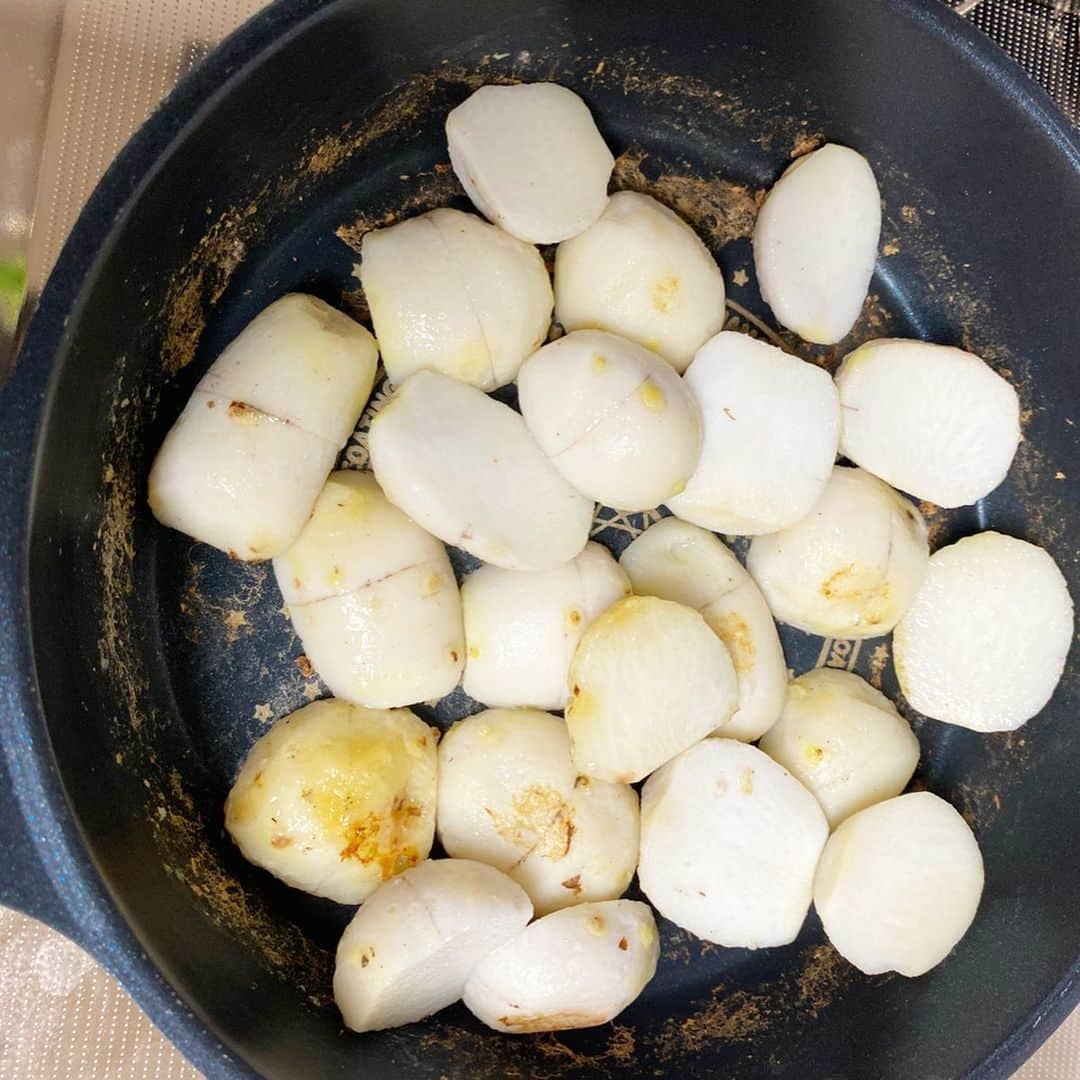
(60, 1015)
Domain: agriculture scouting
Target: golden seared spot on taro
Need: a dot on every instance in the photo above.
(540, 820)
(470, 365)
(620, 613)
(554, 1021)
(244, 803)
(374, 840)
(353, 507)
(262, 543)
(864, 587)
(813, 754)
(596, 924)
(245, 414)
(733, 630)
(433, 584)
(599, 363)
(664, 292)
(474, 652)
(582, 703)
(488, 731)
(362, 838)
(356, 793)
(851, 582)
(573, 618)
(799, 691)
(651, 396)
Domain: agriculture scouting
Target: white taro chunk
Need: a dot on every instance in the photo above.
(899, 884)
(844, 741)
(335, 799)
(464, 467)
(934, 421)
(816, 240)
(613, 417)
(642, 272)
(531, 159)
(373, 598)
(574, 968)
(680, 562)
(451, 293)
(771, 428)
(510, 796)
(522, 627)
(729, 844)
(649, 679)
(410, 949)
(851, 567)
(985, 641)
(244, 462)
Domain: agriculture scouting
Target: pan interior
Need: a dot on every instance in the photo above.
(193, 655)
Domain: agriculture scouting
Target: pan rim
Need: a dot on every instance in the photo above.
(85, 899)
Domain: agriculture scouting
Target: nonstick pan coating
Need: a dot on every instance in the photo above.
(139, 667)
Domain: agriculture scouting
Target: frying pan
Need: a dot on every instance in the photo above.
(138, 667)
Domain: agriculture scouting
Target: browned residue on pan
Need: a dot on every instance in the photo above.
(1005, 758)
(355, 303)
(620, 1049)
(733, 1016)
(482, 1054)
(424, 191)
(879, 661)
(229, 618)
(115, 550)
(806, 143)
(875, 320)
(201, 281)
(720, 210)
(937, 522)
(728, 1017)
(398, 110)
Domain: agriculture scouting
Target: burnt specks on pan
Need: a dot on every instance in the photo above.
(736, 1015)
(719, 210)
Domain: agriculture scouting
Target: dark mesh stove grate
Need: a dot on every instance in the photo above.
(1043, 36)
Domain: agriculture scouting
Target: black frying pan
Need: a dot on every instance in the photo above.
(137, 667)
